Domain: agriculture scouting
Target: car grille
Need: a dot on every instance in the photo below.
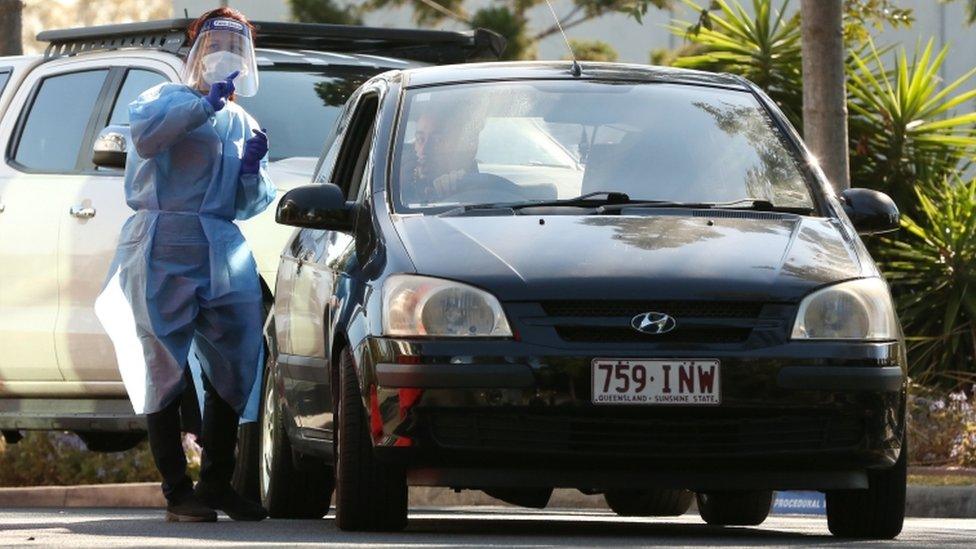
(688, 436)
(677, 309)
(629, 335)
(609, 321)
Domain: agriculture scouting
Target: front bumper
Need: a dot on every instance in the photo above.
(494, 413)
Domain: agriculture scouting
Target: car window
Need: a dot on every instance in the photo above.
(55, 127)
(525, 141)
(299, 105)
(136, 82)
(356, 144)
(4, 76)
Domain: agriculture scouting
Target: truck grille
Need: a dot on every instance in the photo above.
(677, 437)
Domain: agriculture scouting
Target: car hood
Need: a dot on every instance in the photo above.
(721, 255)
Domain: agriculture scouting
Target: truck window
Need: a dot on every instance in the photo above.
(56, 124)
(136, 82)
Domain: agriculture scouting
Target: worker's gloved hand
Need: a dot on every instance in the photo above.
(254, 150)
(220, 91)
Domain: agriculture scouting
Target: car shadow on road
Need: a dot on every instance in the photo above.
(426, 528)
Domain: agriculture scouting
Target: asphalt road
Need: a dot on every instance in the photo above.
(447, 527)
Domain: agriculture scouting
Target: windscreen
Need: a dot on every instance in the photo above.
(546, 140)
(299, 106)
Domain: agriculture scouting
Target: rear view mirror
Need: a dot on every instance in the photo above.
(111, 147)
(316, 207)
(871, 212)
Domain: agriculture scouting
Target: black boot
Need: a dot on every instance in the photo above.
(227, 500)
(189, 509)
(219, 439)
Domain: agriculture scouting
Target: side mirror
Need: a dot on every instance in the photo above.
(111, 147)
(321, 206)
(871, 212)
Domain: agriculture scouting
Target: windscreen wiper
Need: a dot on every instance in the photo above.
(606, 201)
(760, 204)
(588, 200)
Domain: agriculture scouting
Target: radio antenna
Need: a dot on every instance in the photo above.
(576, 69)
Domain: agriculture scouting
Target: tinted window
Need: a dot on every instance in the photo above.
(4, 76)
(299, 106)
(526, 141)
(58, 118)
(136, 82)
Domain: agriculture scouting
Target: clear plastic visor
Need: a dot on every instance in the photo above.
(222, 47)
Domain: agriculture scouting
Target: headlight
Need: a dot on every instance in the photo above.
(422, 306)
(858, 309)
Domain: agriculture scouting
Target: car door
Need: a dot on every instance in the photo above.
(89, 236)
(308, 276)
(43, 135)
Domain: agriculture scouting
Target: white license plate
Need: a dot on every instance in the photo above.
(674, 382)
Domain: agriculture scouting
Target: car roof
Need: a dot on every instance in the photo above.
(554, 70)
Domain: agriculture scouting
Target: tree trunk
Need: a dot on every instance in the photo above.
(824, 89)
(10, 28)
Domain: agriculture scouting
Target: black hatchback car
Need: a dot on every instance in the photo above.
(627, 280)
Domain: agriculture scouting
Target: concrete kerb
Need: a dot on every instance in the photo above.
(922, 501)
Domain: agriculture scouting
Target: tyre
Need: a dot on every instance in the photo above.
(98, 441)
(285, 490)
(370, 496)
(660, 502)
(875, 513)
(740, 508)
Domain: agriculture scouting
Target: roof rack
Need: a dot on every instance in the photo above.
(429, 46)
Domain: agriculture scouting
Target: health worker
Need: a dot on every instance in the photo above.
(183, 272)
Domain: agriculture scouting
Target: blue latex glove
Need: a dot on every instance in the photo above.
(220, 91)
(254, 150)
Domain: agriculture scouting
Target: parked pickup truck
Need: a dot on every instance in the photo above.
(63, 130)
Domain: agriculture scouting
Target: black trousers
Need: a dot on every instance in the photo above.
(218, 438)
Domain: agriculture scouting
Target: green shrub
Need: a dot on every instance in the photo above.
(45, 458)
(931, 267)
(902, 125)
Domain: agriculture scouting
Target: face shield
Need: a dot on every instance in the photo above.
(222, 47)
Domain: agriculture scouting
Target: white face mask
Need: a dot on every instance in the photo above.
(219, 65)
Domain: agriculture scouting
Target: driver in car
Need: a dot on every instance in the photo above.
(442, 156)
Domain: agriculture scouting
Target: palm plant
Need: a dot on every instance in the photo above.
(764, 47)
(903, 126)
(932, 272)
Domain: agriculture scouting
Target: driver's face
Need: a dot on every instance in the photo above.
(425, 136)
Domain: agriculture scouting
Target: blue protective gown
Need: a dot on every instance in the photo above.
(182, 266)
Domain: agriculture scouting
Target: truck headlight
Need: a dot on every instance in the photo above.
(430, 307)
(857, 309)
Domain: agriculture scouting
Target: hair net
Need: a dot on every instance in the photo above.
(222, 47)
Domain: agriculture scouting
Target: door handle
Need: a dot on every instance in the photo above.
(82, 212)
(3, 207)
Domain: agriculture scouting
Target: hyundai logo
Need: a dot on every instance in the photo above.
(653, 323)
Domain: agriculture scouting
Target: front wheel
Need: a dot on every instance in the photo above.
(370, 496)
(875, 513)
(740, 508)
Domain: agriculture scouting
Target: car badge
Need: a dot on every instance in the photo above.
(653, 323)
